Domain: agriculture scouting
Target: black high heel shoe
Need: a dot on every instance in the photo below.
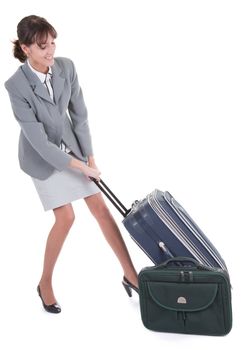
(129, 286)
(53, 308)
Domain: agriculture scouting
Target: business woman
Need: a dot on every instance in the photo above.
(55, 147)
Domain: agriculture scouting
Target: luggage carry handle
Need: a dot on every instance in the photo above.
(180, 260)
(111, 196)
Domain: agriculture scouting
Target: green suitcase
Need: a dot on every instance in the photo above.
(183, 296)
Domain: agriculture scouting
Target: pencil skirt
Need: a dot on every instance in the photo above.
(64, 187)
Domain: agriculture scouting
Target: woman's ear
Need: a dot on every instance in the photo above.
(25, 49)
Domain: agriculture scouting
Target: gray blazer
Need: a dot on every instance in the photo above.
(45, 123)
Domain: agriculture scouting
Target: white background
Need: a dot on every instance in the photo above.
(163, 83)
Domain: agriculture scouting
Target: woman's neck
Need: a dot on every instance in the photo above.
(39, 68)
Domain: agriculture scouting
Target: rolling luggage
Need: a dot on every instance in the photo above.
(163, 229)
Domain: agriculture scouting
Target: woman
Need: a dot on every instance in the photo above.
(55, 147)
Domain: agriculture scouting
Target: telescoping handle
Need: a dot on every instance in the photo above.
(111, 196)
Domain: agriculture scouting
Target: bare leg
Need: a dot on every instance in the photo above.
(64, 219)
(112, 234)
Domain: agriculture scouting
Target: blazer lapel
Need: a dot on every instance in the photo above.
(36, 84)
(57, 81)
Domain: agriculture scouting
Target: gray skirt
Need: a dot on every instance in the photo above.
(64, 187)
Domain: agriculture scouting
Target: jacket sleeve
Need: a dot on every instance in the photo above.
(78, 115)
(35, 133)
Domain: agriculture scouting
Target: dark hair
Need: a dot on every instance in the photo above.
(31, 29)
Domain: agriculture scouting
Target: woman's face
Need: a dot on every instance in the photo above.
(41, 57)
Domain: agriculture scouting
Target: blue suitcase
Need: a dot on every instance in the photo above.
(163, 229)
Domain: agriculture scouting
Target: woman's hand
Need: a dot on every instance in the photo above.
(89, 170)
(92, 164)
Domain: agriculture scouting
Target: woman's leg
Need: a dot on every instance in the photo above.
(64, 218)
(112, 234)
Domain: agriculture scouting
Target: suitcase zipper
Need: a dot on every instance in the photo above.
(152, 200)
(194, 228)
(174, 228)
(196, 234)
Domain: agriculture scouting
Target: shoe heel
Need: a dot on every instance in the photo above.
(53, 308)
(128, 289)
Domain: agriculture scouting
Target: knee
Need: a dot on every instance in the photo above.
(69, 219)
(101, 211)
(66, 220)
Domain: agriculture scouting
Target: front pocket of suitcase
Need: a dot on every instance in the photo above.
(183, 308)
(209, 321)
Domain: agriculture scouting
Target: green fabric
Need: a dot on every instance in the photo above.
(199, 303)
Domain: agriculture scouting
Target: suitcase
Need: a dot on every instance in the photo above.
(193, 299)
(163, 229)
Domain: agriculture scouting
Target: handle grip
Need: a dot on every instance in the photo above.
(180, 262)
(182, 259)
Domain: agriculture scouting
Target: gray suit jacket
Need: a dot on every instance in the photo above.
(45, 123)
